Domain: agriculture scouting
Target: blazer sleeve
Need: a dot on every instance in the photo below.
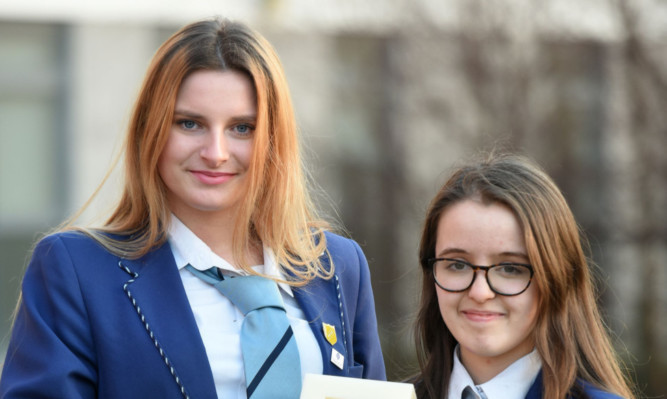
(367, 349)
(50, 352)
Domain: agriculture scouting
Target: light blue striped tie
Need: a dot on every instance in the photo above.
(270, 354)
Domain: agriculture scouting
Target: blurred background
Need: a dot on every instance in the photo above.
(390, 95)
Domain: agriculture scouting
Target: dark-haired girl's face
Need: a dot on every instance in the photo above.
(492, 330)
(205, 161)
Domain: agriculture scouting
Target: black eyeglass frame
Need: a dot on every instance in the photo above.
(431, 263)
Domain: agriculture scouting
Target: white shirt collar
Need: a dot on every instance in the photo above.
(513, 382)
(190, 249)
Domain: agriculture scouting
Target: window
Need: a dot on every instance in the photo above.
(33, 182)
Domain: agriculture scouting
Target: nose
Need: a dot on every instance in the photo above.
(215, 149)
(480, 290)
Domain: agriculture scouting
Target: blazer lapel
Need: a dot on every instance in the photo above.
(158, 295)
(319, 302)
(535, 391)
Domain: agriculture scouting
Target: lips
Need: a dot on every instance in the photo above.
(212, 178)
(482, 315)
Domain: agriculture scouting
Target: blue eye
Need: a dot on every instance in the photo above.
(244, 129)
(187, 124)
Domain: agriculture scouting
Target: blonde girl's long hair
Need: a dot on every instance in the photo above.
(277, 209)
(569, 334)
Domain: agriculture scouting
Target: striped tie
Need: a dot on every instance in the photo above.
(270, 354)
(468, 393)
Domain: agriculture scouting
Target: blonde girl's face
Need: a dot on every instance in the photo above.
(205, 162)
(492, 330)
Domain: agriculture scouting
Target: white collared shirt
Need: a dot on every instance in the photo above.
(512, 383)
(219, 321)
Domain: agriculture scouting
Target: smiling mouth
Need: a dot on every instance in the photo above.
(212, 178)
(481, 316)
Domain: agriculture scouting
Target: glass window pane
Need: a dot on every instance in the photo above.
(27, 173)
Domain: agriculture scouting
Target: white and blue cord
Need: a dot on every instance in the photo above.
(148, 329)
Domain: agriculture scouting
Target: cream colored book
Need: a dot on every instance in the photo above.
(330, 387)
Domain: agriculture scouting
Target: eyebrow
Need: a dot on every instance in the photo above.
(187, 114)
(194, 115)
(245, 118)
(448, 251)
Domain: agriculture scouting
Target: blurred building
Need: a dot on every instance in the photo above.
(389, 95)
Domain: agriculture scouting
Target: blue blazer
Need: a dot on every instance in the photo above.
(93, 325)
(588, 391)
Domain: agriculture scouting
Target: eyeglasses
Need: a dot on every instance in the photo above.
(455, 275)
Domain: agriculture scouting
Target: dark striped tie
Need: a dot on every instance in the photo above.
(270, 354)
(468, 393)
